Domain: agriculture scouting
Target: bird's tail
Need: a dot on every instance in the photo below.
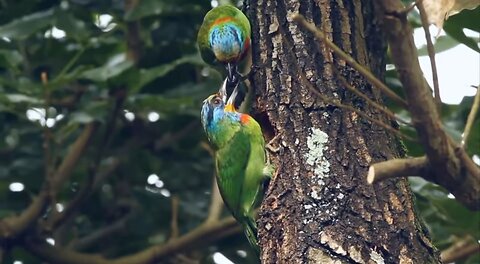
(250, 229)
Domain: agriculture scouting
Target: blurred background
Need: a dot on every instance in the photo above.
(132, 69)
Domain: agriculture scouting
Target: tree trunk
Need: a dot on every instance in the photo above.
(319, 207)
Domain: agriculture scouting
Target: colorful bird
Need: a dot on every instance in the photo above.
(240, 159)
(224, 38)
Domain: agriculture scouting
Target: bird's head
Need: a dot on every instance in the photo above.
(213, 109)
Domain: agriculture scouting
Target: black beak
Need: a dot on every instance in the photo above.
(231, 70)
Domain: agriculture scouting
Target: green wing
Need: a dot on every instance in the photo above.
(240, 165)
(254, 176)
(202, 40)
(232, 161)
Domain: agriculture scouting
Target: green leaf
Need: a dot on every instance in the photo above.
(10, 58)
(473, 143)
(466, 19)
(81, 117)
(20, 98)
(115, 66)
(147, 8)
(73, 27)
(27, 25)
(443, 43)
(68, 77)
(159, 103)
(148, 75)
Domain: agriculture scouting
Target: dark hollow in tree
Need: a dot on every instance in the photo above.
(319, 207)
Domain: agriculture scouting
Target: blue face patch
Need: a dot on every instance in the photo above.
(226, 42)
(212, 114)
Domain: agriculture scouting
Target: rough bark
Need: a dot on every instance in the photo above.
(319, 207)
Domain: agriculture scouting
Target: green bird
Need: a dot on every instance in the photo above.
(240, 159)
(224, 39)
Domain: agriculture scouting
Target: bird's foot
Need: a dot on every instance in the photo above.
(269, 146)
(268, 170)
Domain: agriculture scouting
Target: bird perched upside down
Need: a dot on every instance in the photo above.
(240, 159)
(224, 38)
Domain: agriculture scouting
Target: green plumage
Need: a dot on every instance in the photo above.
(233, 38)
(240, 161)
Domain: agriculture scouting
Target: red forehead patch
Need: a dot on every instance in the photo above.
(222, 20)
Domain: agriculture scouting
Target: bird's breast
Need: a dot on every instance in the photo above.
(226, 42)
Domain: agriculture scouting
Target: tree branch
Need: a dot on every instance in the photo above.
(375, 105)
(216, 203)
(398, 168)
(71, 159)
(11, 227)
(174, 230)
(96, 236)
(460, 250)
(335, 102)
(200, 236)
(450, 165)
(351, 61)
(431, 54)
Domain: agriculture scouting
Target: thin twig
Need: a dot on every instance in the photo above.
(471, 117)
(46, 130)
(431, 54)
(70, 64)
(362, 70)
(216, 203)
(396, 168)
(198, 237)
(369, 101)
(96, 236)
(174, 230)
(351, 108)
(460, 250)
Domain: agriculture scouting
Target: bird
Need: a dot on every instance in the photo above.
(242, 171)
(224, 39)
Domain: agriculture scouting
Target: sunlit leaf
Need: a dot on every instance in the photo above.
(20, 98)
(148, 75)
(467, 19)
(113, 68)
(27, 25)
(442, 43)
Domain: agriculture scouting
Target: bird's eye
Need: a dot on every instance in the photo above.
(216, 101)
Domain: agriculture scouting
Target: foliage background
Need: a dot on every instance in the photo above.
(155, 152)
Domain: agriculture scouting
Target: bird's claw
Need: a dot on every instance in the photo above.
(270, 146)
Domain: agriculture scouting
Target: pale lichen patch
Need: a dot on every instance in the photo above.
(315, 255)
(315, 155)
(356, 255)
(376, 258)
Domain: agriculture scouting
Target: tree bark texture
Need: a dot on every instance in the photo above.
(319, 207)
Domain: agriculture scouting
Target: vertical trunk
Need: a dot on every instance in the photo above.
(319, 208)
